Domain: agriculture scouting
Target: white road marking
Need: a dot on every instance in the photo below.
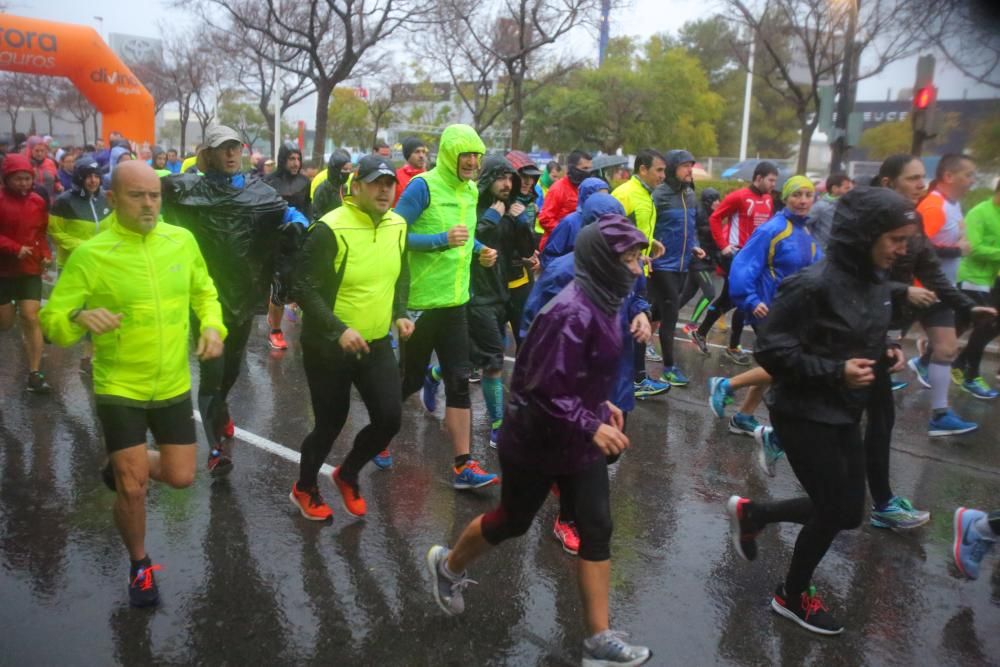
(271, 446)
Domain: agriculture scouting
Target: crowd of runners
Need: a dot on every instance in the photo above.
(411, 278)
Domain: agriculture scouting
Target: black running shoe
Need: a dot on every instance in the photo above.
(142, 590)
(37, 383)
(808, 611)
(698, 340)
(108, 476)
(742, 531)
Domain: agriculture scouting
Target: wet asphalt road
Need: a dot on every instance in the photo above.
(246, 580)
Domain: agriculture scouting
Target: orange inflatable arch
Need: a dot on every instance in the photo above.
(78, 53)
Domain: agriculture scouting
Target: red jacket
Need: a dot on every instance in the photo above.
(738, 215)
(559, 202)
(403, 176)
(23, 222)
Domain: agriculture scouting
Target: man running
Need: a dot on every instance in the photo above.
(561, 198)
(240, 223)
(328, 195)
(131, 287)
(733, 221)
(347, 285)
(439, 207)
(520, 271)
(24, 257)
(415, 153)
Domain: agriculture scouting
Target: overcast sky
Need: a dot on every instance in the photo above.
(643, 18)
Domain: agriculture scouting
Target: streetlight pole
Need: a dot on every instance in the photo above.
(747, 95)
(838, 154)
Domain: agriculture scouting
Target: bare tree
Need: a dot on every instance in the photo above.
(800, 46)
(332, 36)
(79, 108)
(966, 34)
(380, 105)
(15, 91)
(44, 92)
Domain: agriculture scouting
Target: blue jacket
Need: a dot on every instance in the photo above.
(563, 237)
(779, 248)
(557, 275)
(676, 218)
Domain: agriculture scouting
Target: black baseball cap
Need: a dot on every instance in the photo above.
(372, 167)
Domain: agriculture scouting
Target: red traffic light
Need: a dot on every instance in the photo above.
(924, 97)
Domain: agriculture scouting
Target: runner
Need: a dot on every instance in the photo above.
(732, 223)
(24, 257)
(415, 153)
(520, 271)
(328, 195)
(561, 198)
(240, 223)
(699, 276)
(976, 533)
(439, 207)
(347, 284)
(675, 228)
(777, 250)
(131, 287)
(560, 429)
(826, 331)
(821, 217)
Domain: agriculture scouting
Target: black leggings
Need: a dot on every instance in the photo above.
(829, 461)
(445, 331)
(994, 519)
(330, 374)
(517, 297)
(667, 286)
(719, 307)
(695, 281)
(878, 435)
(217, 377)
(983, 332)
(524, 490)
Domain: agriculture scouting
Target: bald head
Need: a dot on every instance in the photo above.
(135, 196)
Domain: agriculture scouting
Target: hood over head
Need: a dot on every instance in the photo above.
(588, 188)
(156, 150)
(600, 205)
(709, 196)
(674, 159)
(335, 165)
(455, 140)
(600, 274)
(15, 162)
(493, 167)
(116, 154)
(284, 151)
(523, 163)
(861, 216)
(84, 167)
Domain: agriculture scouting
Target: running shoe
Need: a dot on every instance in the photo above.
(219, 464)
(472, 476)
(37, 383)
(698, 340)
(769, 451)
(957, 376)
(476, 375)
(276, 340)
(310, 503)
(808, 611)
(142, 590)
(108, 476)
(980, 389)
(921, 371)
(898, 514)
(970, 545)
(949, 423)
(738, 355)
(429, 393)
(650, 387)
(742, 532)
(652, 354)
(229, 430)
(494, 437)
(719, 395)
(742, 424)
(383, 460)
(567, 535)
(448, 589)
(898, 385)
(673, 376)
(609, 649)
(350, 495)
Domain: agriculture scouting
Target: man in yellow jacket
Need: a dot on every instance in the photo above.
(131, 288)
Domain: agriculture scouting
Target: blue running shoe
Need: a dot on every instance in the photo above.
(898, 514)
(949, 423)
(674, 377)
(980, 389)
(650, 387)
(472, 476)
(719, 395)
(923, 374)
(494, 437)
(383, 460)
(898, 385)
(742, 424)
(970, 545)
(429, 393)
(769, 451)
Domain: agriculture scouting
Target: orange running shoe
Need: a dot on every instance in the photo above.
(277, 340)
(350, 494)
(310, 504)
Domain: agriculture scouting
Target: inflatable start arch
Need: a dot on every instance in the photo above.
(78, 53)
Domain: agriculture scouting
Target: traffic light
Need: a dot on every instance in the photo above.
(922, 115)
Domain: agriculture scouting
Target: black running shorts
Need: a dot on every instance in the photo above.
(20, 288)
(126, 425)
